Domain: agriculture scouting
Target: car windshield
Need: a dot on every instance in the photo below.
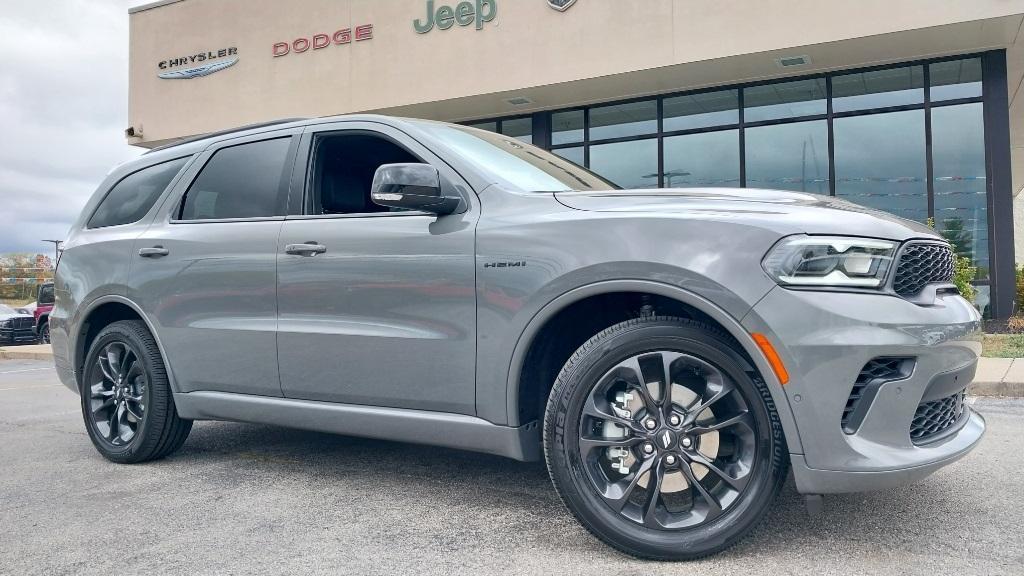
(518, 164)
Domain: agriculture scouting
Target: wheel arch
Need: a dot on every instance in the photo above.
(550, 312)
(102, 312)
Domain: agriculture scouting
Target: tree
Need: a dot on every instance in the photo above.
(21, 274)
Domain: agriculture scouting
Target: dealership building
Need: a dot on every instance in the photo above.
(909, 106)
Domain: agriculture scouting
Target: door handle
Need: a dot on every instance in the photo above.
(307, 249)
(154, 252)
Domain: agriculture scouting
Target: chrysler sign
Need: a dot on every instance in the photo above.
(197, 65)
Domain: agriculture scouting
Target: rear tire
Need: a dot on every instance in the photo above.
(610, 428)
(126, 397)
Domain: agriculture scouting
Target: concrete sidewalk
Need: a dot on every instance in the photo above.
(995, 376)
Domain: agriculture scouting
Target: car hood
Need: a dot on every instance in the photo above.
(784, 212)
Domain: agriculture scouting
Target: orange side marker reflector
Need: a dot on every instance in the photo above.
(772, 356)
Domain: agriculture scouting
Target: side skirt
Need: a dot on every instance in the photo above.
(416, 426)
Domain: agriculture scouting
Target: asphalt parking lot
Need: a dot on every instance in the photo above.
(244, 499)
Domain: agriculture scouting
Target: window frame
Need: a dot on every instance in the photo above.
(301, 195)
(189, 158)
(204, 158)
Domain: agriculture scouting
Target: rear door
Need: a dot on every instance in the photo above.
(206, 271)
(385, 314)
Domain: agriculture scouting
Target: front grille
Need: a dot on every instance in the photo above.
(921, 264)
(22, 323)
(936, 416)
(876, 372)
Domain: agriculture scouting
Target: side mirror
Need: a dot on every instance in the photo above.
(413, 187)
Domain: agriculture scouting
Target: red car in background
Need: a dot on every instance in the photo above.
(44, 303)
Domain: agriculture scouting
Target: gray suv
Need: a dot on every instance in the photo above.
(670, 354)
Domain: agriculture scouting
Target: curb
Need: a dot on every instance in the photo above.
(26, 353)
(1007, 389)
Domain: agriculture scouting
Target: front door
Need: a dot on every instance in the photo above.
(375, 307)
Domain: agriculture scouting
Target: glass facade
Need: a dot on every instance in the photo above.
(908, 139)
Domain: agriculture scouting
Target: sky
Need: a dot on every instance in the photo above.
(63, 111)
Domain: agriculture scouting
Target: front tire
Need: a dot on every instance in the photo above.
(126, 398)
(662, 441)
(44, 333)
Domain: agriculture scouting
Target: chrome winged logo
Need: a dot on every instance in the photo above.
(197, 71)
(561, 5)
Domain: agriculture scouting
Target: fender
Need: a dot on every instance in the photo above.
(85, 311)
(731, 325)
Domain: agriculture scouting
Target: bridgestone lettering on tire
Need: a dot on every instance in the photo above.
(662, 441)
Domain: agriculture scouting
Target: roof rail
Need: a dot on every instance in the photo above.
(224, 133)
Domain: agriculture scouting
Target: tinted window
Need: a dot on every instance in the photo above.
(45, 294)
(788, 156)
(244, 181)
(701, 110)
(958, 154)
(956, 79)
(784, 100)
(880, 162)
(567, 127)
(518, 128)
(131, 198)
(343, 170)
(622, 120)
(708, 159)
(878, 89)
(627, 164)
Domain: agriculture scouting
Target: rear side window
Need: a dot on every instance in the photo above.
(244, 181)
(131, 198)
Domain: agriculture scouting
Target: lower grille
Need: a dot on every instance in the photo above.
(876, 372)
(936, 416)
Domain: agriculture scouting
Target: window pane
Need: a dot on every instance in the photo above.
(878, 88)
(958, 156)
(880, 162)
(518, 128)
(708, 159)
(955, 79)
(132, 197)
(785, 100)
(627, 164)
(567, 127)
(701, 110)
(621, 120)
(788, 156)
(489, 126)
(574, 155)
(243, 181)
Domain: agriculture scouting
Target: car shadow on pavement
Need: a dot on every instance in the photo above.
(382, 473)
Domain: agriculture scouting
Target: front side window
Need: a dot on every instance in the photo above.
(343, 170)
(131, 198)
(243, 181)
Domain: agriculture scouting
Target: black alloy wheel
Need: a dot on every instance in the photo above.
(44, 333)
(127, 403)
(662, 441)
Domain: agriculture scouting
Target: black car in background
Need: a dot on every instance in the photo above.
(16, 327)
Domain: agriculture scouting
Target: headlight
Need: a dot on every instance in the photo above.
(5, 324)
(836, 261)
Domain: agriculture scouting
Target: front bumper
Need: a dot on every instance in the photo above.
(825, 339)
(17, 335)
